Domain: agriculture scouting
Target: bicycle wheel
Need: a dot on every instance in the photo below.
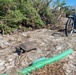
(69, 27)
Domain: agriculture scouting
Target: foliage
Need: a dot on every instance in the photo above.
(27, 13)
(4, 29)
(69, 11)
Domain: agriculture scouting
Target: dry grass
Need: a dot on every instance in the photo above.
(53, 69)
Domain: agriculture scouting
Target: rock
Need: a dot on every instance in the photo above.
(2, 62)
(3, 44)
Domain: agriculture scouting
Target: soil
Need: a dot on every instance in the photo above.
(49, 43)
(53, 69)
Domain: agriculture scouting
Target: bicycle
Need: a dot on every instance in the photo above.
(70, 25)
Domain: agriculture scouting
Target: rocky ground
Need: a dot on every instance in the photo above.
(48, 43)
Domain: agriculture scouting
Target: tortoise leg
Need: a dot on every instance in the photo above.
(18, 50)
(22, 51)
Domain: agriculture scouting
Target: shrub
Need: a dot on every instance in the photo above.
(28, 13)
(4, 29)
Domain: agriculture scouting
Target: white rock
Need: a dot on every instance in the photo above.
(70, 56)
(2, 62)
(4, 44)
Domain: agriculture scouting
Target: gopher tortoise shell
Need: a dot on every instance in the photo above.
(27, 46)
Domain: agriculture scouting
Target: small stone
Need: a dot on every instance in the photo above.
(2, 62)
(68, 71)
(70, 56)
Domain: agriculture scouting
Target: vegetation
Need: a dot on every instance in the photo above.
(28, 13)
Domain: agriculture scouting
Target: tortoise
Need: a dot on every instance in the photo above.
(25, 47)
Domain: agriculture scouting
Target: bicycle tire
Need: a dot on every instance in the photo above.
(69, 27)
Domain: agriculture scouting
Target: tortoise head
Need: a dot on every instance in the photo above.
(19, 50)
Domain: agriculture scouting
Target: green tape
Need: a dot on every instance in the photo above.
(41, 63)
(4, 74)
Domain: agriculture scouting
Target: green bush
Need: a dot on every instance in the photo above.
(28, 13)
(4, 29)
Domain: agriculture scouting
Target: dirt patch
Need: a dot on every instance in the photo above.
(53, 69)
(49, 42)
